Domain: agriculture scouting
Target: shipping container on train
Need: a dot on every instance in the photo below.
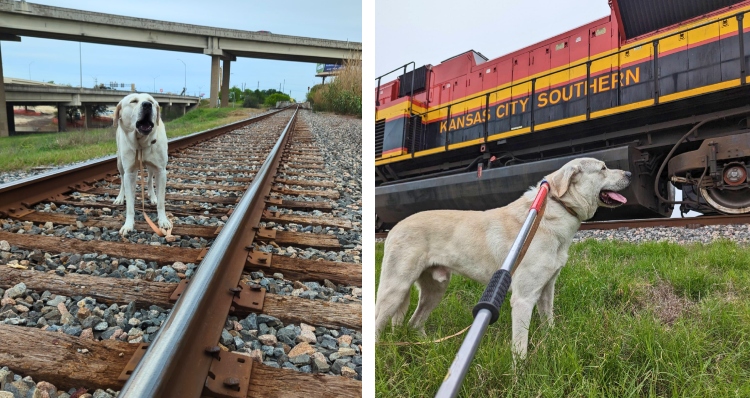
(659, 88)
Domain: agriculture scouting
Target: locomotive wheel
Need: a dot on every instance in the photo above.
(728, 201)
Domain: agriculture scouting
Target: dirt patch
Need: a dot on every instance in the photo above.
(663, 302)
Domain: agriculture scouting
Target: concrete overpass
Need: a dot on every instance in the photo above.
(64, 96)
(19, 18)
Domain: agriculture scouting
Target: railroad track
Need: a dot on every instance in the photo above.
(691, 222)
(243, 300)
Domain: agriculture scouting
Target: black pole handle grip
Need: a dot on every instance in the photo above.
(494, 295)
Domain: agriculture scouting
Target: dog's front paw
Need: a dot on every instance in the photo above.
(120, 200)
(154, 201)
(127, 227)
(164, 223)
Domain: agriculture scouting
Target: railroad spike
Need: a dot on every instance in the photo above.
(231, 382)
(213, 350)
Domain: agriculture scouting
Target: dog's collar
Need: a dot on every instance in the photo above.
(568, 209)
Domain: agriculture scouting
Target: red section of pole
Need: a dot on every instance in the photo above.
(540, 196)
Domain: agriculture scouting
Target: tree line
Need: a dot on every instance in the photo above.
(256, 98)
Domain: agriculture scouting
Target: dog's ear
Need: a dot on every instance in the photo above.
(560, 180)
(116, 121)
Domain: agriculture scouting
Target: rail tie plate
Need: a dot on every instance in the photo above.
(249, 297)
(229, 375)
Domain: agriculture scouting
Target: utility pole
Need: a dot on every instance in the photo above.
(185, 82)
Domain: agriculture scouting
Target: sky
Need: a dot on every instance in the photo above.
(154, 70)
(428, 32)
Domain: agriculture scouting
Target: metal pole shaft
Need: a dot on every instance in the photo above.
(460, 366)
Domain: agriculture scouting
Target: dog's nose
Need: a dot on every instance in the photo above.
(627, 174)
(147, 105)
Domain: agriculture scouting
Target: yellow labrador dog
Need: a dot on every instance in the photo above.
(141, 135)
(425, 248)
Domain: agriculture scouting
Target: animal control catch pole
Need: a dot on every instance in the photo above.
(488, 308)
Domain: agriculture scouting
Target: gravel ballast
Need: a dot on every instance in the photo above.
(739, 233)
(19, 386)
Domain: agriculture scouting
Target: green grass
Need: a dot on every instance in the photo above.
(27, 151)
(649, 320)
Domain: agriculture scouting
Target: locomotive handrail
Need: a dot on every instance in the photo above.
(588, 62)
(411, 93)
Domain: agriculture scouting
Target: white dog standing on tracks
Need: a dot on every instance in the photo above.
(427, 247)
(141, 135)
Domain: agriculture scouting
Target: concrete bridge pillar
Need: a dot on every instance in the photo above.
(214, 97)
(11, 119)
(5, 127)
(214, 50)
(62, 117)
(87, 115)
(225, 83)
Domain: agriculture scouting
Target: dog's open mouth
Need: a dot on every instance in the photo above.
(144, 126)
(611, 198)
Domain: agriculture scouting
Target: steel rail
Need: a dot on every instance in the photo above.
(176, 364)
(26, 192)
(690, 222)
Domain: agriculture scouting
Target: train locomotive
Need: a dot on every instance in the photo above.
(659, 88)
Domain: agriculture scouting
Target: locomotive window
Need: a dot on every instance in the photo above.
(600, 31)
(561, 46)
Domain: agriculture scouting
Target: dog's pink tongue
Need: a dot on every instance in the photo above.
(617, 197)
